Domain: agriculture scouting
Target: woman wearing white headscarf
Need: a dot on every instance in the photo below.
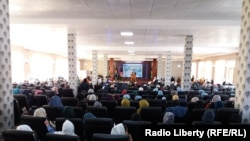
(40, 112)
(216, 98)
(67, 129)
(24, 127)
(121, 129)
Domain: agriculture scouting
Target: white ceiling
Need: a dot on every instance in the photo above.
(158, 26)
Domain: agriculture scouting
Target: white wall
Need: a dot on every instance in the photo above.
(29, 65)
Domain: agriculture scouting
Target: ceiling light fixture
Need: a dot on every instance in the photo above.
(127, 34)
(131, 51)
(128, 43)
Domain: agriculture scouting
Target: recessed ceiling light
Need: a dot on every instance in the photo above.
(127, 34)
(128, 43)
(131, 51)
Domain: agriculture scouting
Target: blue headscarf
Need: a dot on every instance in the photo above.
(208, 116)
(89, 115)
(56, 101)
(178, 111)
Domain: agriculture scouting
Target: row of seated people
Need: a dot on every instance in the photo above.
(40, 100)
(37, 127)
(88, 125)
(110, 108)
(110, 103)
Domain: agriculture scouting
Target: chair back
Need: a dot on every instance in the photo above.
(109, 137)
(17, 112)
(153, 114)
(110, 104)
(59, 137)
(79, 112)
(67, 93)
(172, 124)
(22, 100)
(19, 135)
(196, 114)
(100, 112)
(36, 124)
(69, 101)
(77, 122)
(97, 125)
(224, 114)
(134, 128)
(206, 123)
(40, 100)
(123, 113)
(53, 112)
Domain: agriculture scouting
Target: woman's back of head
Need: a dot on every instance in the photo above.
(24, 127)
(143, 103)
(125, 102)
(92, 97)
(175, 97)
(40, 112)
(208, 116)
(168, 118)
(97, 104)
(89, 115)
(218, 104)
(118, 129)
(216, 98)
(68, 128)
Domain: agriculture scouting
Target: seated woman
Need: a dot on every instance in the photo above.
(24, 127)
(67, 129)
(125, 102)
(40, 112)
(92, 95)
(97, 104)
(142, 104)
(168, 118)
(121, 129)
(88, 115)
(55, 100)
(208, 118)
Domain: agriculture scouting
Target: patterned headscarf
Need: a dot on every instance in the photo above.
(168, 117)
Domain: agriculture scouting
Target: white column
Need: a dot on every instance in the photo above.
(187, 63)
(72, 62)
(168, 71)
(105, 65)
(6, 97)
(159, 67)
(94, 67)
(243, 65)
